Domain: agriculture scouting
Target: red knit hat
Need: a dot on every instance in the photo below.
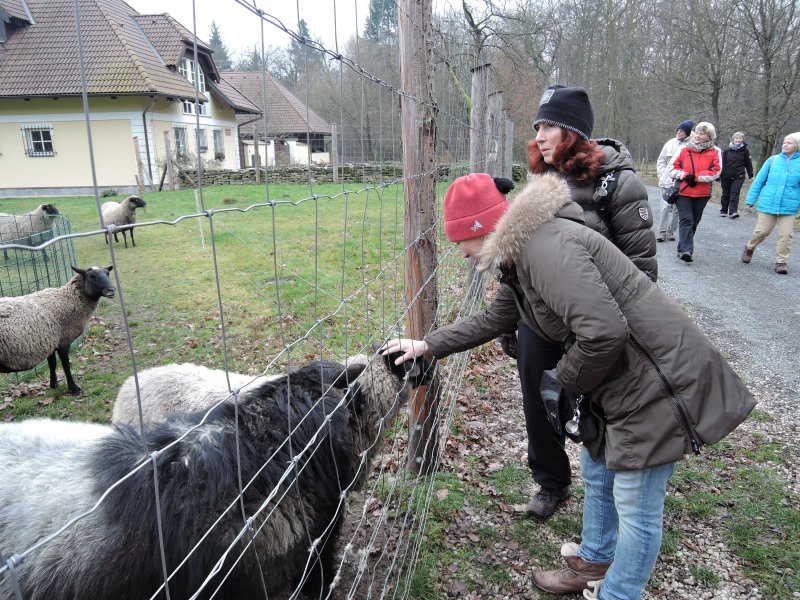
(472, 207)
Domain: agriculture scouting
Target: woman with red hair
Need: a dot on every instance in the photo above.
(590, 168)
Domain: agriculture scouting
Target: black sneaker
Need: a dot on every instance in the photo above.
(722, 214)
(544, 503)
(735, 215)
(686, 257)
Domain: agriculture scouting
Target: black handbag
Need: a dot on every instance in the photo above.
(670, 194)
(573, 415)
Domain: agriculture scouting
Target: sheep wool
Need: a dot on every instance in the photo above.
(174, 388)
(18, 227)
(121, 214)
(300, 438)
(36, 326)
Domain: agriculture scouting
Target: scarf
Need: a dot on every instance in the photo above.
(703, 146)
(733, 146)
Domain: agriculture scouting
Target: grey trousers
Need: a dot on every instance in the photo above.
(669, 218)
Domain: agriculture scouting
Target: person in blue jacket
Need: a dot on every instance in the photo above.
(776, 194)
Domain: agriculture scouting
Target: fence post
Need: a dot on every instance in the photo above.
(168, 159)
(508, 152)
(334, 153)
(477, 119)
(418, 132)
(138, 156)
(494, 134)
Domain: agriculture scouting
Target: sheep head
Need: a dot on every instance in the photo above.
(49, 210)
(135, 202)
(96, 282)
(377, 396)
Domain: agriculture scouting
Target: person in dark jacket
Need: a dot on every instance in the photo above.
(736, 162)
(562, 145)
(697, 165)
(665, 391)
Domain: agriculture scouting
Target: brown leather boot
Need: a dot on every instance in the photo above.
(747, 255)
(780, 269)
(575, 578)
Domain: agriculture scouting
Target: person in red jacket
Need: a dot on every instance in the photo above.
(697, 165)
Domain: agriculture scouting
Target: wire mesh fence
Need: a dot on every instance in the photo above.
(290, 477)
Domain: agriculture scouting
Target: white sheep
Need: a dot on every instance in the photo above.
(184, 387)
(39, 325)
(303, 439)
(122, 214)
(23, 227)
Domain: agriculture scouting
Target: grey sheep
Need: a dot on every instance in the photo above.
(21, 227)
(39, 325)
(302, 441)
(122, 214)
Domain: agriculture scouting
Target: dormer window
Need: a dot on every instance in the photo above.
(187, 70)
(191, 108)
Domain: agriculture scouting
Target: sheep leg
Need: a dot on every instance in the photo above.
(132, 240)
(63, 354)
(51, 362)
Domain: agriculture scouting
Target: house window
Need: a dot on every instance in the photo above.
(38, 139)
(219, 145)
(189, 108)
(202, 140)
(187, 70)
(180, 141)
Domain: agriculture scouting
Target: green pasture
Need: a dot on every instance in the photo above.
(300, 278)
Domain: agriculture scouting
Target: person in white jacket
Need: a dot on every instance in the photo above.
(669, 214)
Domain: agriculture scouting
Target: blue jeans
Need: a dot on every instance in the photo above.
(623, 519)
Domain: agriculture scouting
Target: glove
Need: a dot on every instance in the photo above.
(690, 180)
(508, 341)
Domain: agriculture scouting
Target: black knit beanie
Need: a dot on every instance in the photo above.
(686, 126)
(567, 107)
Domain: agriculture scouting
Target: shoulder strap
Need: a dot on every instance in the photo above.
(604, 192)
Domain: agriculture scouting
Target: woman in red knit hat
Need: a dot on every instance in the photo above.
(657, 393)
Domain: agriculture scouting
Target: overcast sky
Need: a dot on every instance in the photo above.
(240, 28)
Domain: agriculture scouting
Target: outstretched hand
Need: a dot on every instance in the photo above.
(410, 349)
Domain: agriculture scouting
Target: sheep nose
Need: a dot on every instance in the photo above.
(109, 292)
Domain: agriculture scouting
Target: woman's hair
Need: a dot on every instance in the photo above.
(739, 134)
(575, 158)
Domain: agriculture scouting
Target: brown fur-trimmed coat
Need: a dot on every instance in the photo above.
(664, 388)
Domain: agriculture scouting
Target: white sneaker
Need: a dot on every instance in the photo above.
(594, 593)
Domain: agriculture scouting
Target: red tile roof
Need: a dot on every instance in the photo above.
(287, 115)
(42, 59)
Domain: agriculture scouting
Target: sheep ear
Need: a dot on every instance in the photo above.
(109, 269)
(78, 271)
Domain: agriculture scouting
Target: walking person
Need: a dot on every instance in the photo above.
(668, 222)
(602, 181)
(776, 194)
(697, 165)
(736, 162)
(664, 391)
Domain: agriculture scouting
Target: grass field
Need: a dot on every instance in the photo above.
(320, 276)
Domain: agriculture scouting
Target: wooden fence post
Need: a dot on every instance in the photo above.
(138, 156)
(168, 159)
(477, 119)
(418, 132)
(334, 153)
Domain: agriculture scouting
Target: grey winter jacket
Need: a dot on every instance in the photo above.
(663, 386)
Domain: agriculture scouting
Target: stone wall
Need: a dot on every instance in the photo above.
(351, 173)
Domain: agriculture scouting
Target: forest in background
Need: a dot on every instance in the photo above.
(647, 65)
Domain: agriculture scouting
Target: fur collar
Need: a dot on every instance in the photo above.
(538, 202)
